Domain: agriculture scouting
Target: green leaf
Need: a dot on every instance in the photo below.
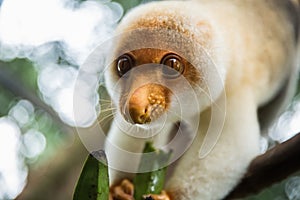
(151, 182)
(93, 183)
(142, 180)
(157, 178)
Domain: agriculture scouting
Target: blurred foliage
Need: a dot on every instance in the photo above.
(17, 70)
(128, 4)
(298, 88)
(23, 74)
(53, 133)
(275, 192)
(6, 99)
(24, 70)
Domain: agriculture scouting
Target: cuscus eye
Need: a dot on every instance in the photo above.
(173, 66)
(124, 64)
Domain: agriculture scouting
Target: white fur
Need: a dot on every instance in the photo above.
(253, 47)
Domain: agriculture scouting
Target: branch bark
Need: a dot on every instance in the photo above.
(273, 166)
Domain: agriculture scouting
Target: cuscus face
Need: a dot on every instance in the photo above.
(150, 83)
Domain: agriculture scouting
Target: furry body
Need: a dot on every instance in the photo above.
(244, 50)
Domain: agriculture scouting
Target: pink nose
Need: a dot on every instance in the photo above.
(147, 103)
(139, 115)
(138, 106)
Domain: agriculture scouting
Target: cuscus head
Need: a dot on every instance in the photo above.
(161, 61)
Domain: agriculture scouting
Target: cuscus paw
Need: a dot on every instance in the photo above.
(124, 191)
(162, 196)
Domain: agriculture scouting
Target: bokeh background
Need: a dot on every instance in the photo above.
(42, 45)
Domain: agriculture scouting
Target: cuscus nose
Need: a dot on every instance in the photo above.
(147, 103)
(138, 106)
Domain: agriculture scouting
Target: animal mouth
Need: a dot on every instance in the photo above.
(147, 104)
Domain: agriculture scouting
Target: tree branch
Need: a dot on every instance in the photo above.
(273, 166)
